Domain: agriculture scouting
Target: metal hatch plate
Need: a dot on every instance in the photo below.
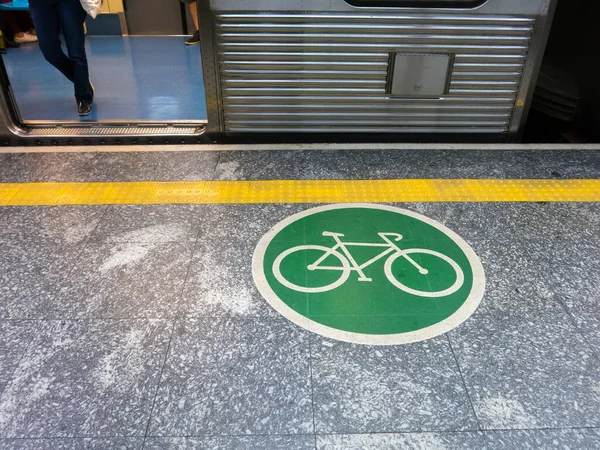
(419, 75)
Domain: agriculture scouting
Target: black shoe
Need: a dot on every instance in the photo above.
(195, 39)
(84, 108)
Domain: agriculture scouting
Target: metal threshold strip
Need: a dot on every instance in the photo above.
(112, 130)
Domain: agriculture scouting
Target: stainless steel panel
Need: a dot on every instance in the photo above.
(358, 129)
(424, 75)
(491, 7)
(328, 72)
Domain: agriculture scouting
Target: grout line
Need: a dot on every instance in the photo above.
(175, 320)
(217, 162)
(463, 382)
(162, 369)
(177, 313)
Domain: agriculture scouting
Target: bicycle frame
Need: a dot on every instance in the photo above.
(389, 245)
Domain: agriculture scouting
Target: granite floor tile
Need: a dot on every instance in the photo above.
(15, 338)
(124, 166)
(562, 255)
(61, 224)
(570, 164)
(569, 269)
(513, 281)
(406, 441)
(124, 280)
(220, 280)
(556, 252)
(31, 273)
(555, 221)
(576, 285)
(460, 164)
(369, 164)
(588, 213)
(341, 164)
(471, 221)
(149, 223)
(490, 440)
(72, 444)
(584, 439)
(583, 304)
(302, 442)
(508, 222)
(286, 165)
(570, 263)
(528, 369)
(86, 379)
(366, 389)
(233, 376)
(14, 168)
(4, 211)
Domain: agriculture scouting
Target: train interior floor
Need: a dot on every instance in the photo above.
(137, 78)
(129, 325)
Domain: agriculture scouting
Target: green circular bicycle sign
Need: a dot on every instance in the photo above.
(368, 274)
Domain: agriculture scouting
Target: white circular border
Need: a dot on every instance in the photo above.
(449, 323)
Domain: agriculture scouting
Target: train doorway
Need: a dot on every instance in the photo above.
(143, 72)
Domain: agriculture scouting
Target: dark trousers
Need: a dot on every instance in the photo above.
(50, 17)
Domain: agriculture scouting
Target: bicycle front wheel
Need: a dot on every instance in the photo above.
(344, 269)
(459, 276)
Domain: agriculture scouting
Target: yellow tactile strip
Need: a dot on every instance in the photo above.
(299, 191)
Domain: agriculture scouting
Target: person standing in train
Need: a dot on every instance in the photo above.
(50, 17)
(195, 39)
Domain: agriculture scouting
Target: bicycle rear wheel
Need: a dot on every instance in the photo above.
(344, 269)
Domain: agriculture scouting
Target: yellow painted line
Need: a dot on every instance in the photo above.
(298, 191)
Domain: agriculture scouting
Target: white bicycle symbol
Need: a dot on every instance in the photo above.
(349, 264)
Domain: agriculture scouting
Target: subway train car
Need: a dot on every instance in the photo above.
(332, 70)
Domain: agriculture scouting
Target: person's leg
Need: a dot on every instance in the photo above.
(45, 19)
(71, 16)
(194, 12)
(195, 38)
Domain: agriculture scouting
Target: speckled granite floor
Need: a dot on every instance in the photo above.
(130, 327)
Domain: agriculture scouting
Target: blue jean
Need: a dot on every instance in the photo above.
(50, 17)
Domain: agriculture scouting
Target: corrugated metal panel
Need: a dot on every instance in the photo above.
(329, 72)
